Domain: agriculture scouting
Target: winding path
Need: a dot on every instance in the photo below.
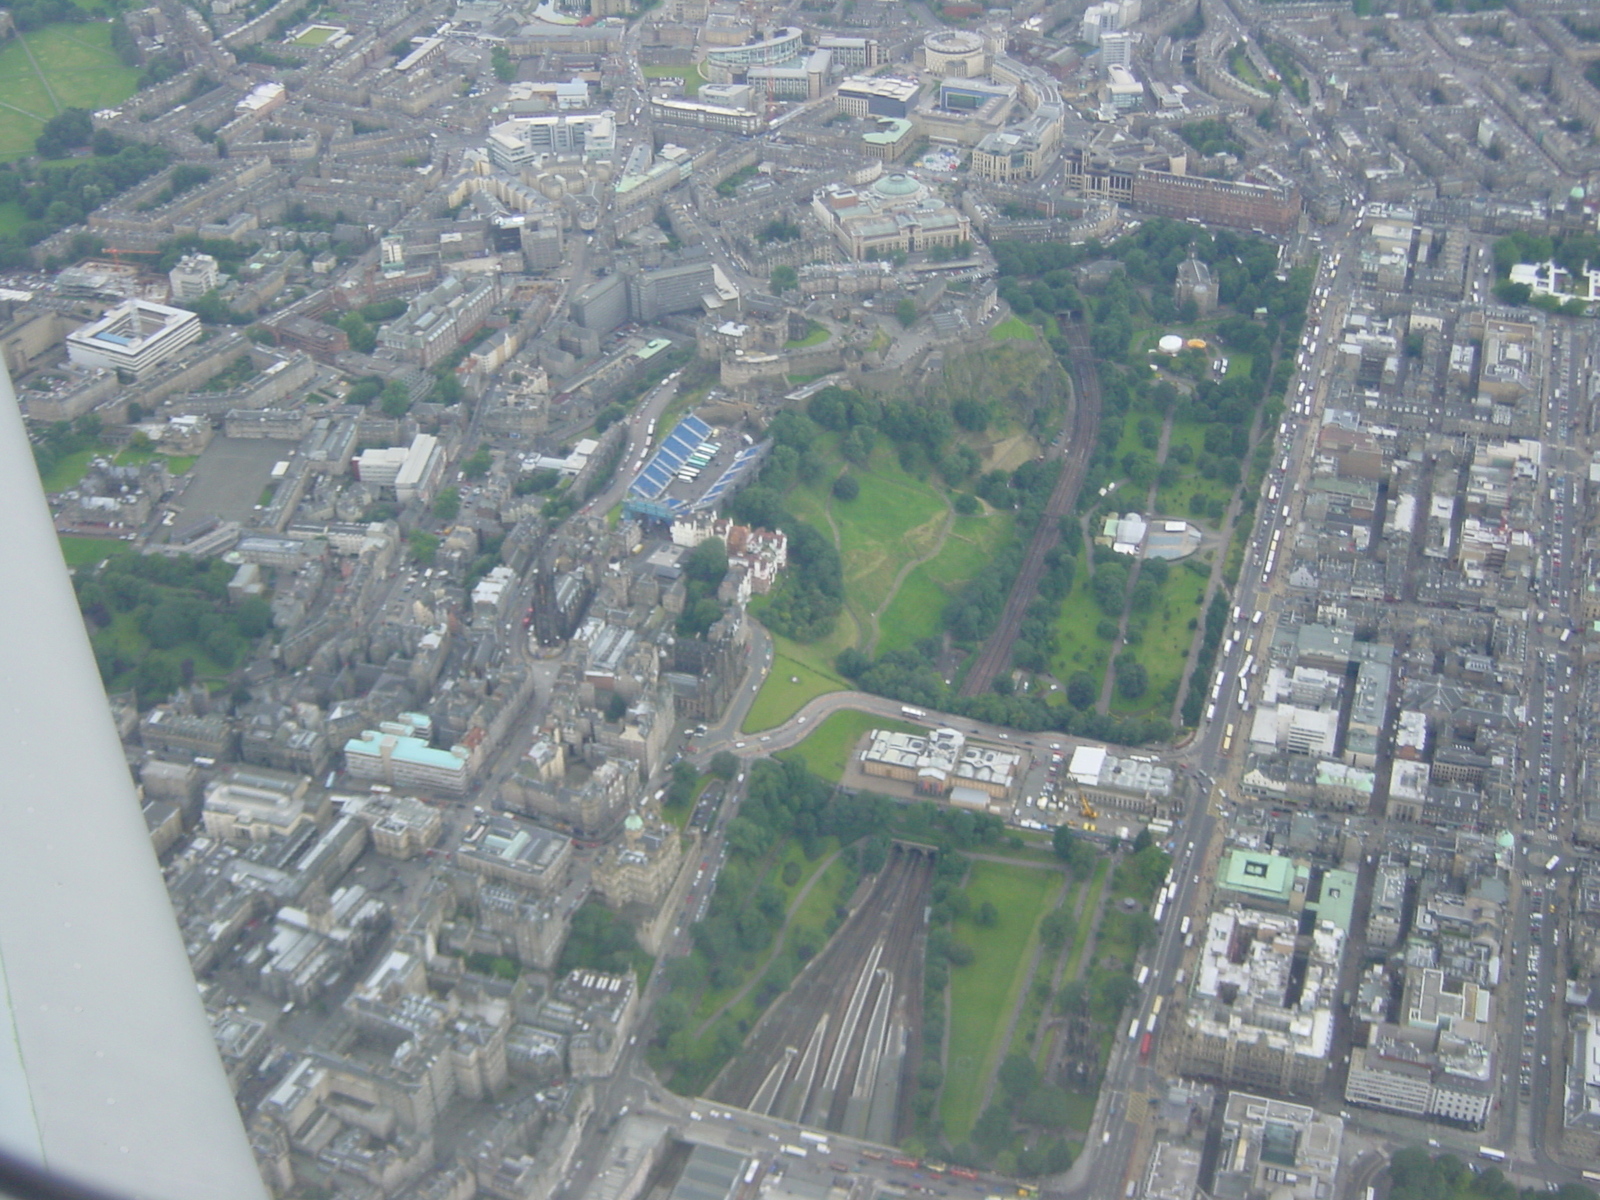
(906, 568)
(760, 972)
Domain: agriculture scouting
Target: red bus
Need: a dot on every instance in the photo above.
(964, 1173)
(1144, 1046)
(909, 1164)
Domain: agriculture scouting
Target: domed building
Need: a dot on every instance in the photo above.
(640, 867)
(896, 213)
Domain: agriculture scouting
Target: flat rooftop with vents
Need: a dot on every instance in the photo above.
(136, 336)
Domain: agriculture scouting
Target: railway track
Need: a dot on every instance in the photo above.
(835, 1051)
(995, 656)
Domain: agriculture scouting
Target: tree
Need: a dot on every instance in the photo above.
(987, 915)
(724, 764)
(906, 311)
(396, 399)
(447, 505)
(1081, 690)
(74, 127)
(1116, 990)
(505, 70)
(707, 563)
(783, 279)
(1055, 929)
(477, 466)
(1073, 997)
(846, 487)
(1132, 678)
(363, 338)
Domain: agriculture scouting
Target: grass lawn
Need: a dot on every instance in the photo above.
(80, 68)
(984, 992)
(316, 35)
(1013, 329)
(1166, 638)
(69, 469)
(692, 79)
(918, 607)
(895, 519)
(815, 336)
(826, 749)
(780, 698)
(1174, 501)
(88, 551)
(1081, 648)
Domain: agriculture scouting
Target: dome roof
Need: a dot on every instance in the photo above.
(897, 184)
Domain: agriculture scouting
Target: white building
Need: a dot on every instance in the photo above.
(523, 140)
(193, 277)
(412, 471)
(136, 336)
(1116, 49)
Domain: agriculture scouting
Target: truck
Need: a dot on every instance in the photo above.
(912, 712)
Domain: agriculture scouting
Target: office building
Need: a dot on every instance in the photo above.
(134, 337)
(412, 471)
(777, 48)
(519, 853)
(853, 53)
(1422, 1074)
(193, 277)
(698, 115)
(958, 52)
(1116, 50)
(525, 141)
(1580, 1116)
(398, 753)
(877, 96)
(1252, 1019)
(1278, 1149)
(657, 293)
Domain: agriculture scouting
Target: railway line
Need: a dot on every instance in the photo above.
(836, 1051)
(1085, 427)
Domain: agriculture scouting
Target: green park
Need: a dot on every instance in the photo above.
(44, 72)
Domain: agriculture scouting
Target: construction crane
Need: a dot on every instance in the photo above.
(1087, 809)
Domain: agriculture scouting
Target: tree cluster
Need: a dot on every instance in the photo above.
(36, 14)
(704, 568)
(1216, 622)
(179, 607)
(1414, 1175)
(55, 195)
(599, 941)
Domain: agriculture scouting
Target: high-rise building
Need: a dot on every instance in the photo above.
(1116, 49)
